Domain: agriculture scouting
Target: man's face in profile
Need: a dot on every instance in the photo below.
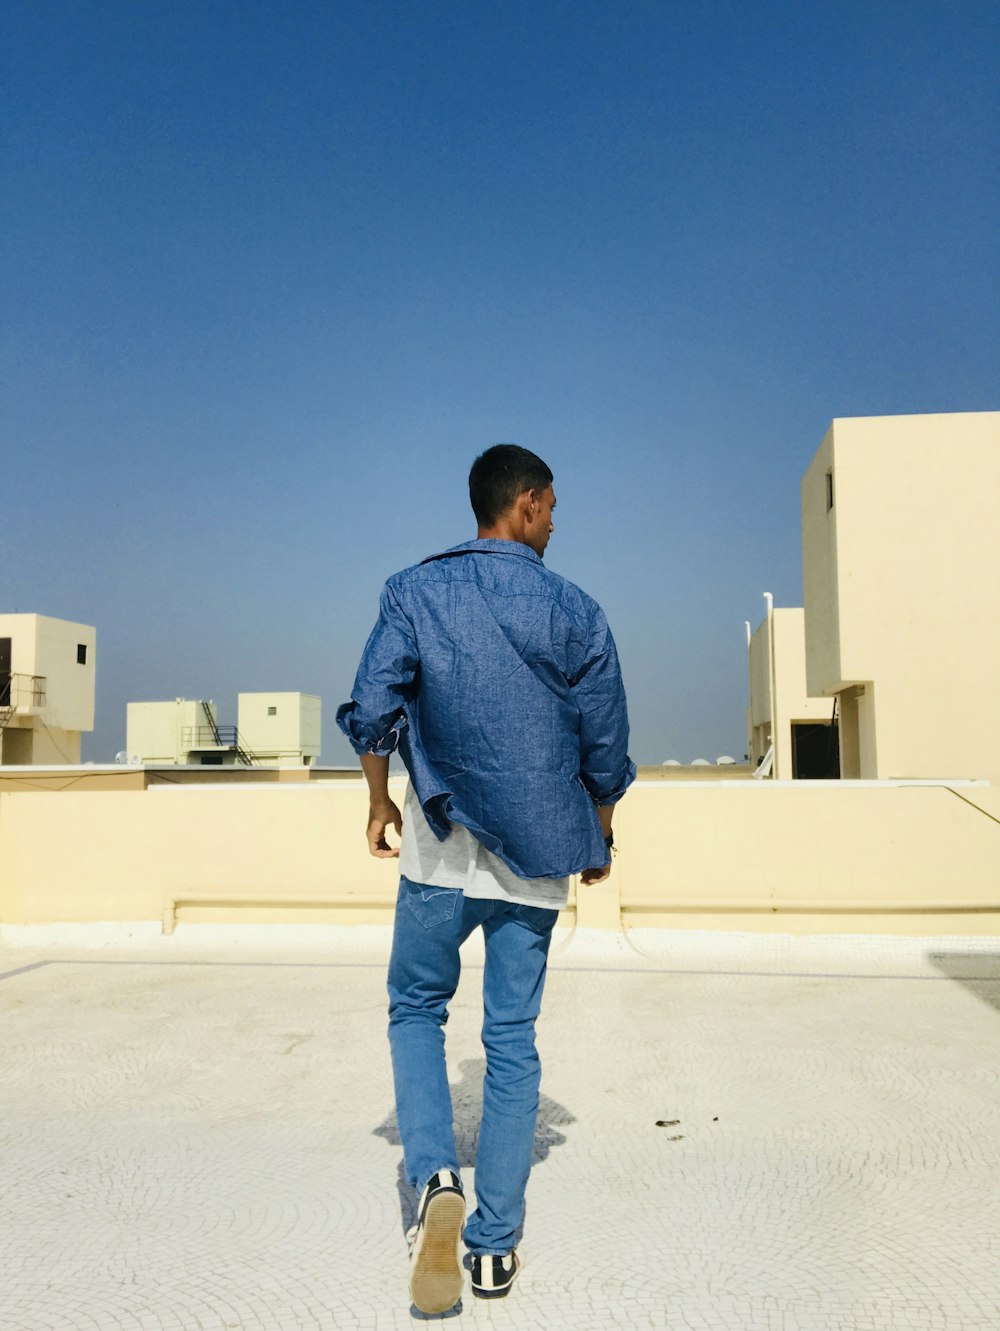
(540, 527)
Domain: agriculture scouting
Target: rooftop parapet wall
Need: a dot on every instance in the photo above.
(799, 857)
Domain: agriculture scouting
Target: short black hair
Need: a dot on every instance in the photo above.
(499, 475)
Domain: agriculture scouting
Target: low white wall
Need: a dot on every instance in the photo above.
(805, 856)
(810, 856)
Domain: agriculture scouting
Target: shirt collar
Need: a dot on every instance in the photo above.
(491, 546)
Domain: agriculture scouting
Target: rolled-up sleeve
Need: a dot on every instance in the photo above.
(375, 717)
(606, 770)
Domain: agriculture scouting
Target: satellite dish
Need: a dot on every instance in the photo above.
(701, 762)
(121, 757)
(725, 761)
(671, 762)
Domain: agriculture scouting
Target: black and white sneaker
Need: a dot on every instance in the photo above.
(493, 1276)
(435, 1273)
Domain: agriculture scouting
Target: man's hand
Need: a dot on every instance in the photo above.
(596, 875)
(382, 813)
(380, 817)
(605, 813)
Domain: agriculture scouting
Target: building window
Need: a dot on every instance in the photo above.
(81, 653)
(272, 711)
(829, 490)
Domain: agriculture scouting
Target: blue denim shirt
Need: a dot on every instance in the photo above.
(498, 682)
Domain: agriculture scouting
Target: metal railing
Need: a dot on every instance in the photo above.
(217, 737)
(20, 693)
(208, 737)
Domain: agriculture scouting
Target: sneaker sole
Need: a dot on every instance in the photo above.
(436, 1280)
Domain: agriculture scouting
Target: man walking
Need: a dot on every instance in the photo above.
(498, 683)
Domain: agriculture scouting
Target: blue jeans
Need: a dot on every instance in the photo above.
(431, 925)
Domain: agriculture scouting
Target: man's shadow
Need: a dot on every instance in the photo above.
(467, 1110)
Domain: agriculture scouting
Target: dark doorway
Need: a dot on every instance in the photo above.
(815, 752)
(5, 651)
(17, 747)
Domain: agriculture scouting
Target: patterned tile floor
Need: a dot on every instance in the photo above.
(197, 1134)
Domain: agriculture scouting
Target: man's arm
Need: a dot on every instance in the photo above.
(605, 767)
(382, 812)
(375, 717)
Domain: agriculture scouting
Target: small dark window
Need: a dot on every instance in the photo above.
(272, 711)
(829, 490)
(81, 653)
(211, 760)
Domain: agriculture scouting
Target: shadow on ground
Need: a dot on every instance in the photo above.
(467, 1110)
(979, 972)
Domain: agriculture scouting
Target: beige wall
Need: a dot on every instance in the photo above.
(41, 645)
(70, 688)
(289, 737)
(900, 592)
(760, 676)
(796, 857)
(55, 747)
(820, 584)
(812, 857)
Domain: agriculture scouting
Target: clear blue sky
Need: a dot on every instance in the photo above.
(274, 274)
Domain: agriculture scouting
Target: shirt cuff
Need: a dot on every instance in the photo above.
(367, 739)
(601, 795)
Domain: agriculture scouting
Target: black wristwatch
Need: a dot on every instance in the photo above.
(609, 841)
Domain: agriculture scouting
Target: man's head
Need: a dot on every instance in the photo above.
(512, 496)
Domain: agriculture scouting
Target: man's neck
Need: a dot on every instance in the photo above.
(501, 531)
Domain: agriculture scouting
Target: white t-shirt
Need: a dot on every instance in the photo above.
(460, 861)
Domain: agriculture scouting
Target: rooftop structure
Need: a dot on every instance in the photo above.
(47, 681)
(276, 729)
(282, 729)
(901, 558)
(782, 718)
(890, 670)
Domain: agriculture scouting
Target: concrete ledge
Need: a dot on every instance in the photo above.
(816, 856)
(270, 901)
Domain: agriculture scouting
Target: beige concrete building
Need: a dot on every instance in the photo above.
(276, 729)
(781, 713)
(183, 732)
(901, 564)
(281, 729)
(47, 680)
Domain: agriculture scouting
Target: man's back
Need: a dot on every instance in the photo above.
(515, 720)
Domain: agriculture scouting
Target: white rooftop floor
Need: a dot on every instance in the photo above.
(197, 1134)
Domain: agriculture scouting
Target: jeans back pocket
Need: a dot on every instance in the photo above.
(538, 918)
(431, 905)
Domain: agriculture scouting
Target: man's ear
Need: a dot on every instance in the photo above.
(524, 505)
